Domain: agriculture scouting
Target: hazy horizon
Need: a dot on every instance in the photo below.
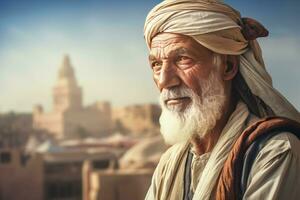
(106, 46)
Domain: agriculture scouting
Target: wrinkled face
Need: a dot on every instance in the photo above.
(178, 60)
(192, 89)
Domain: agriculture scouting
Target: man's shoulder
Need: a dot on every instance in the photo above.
(275, 167)
(283, 144)
(279, 143)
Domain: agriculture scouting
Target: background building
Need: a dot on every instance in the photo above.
(137, 119)
(78, 152)
(69, 118)
(21, 176)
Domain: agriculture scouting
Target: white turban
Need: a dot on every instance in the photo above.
(219, 28)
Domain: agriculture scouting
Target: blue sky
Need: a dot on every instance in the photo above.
(105, 42)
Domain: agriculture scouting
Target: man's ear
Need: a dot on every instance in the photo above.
(231, 68)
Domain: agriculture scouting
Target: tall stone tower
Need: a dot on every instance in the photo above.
(69, 118)
(67, 95)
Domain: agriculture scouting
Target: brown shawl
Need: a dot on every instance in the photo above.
(228, 187)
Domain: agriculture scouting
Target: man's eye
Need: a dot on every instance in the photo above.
(156, 66)
(184, 60)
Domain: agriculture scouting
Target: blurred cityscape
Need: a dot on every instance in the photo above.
(73, 152)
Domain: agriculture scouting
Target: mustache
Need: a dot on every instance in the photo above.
(176, 92)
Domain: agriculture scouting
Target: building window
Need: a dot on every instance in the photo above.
(5, 157)
(101, 164)
(63, 190)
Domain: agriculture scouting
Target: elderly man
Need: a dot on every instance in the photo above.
(234, 136)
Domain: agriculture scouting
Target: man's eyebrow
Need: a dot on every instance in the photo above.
(178, 51)
(151, 57)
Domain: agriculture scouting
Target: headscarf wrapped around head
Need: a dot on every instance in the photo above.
(221, 29)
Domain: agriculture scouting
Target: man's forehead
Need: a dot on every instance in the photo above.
(174, 51)
(165, 39)
(173, 41)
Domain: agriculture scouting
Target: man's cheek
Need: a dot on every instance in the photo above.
(192, 81)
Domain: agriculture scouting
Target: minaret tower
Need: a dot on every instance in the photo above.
(67, 95)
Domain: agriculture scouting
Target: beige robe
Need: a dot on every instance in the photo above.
(275, 173)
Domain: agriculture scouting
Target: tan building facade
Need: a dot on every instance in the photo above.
(69, 118)
(21, 177)
(116, 185)
(48, 176)
(137, 119)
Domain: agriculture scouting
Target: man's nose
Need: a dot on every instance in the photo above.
(168, 77)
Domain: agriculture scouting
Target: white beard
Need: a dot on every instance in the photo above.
(199, 117)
